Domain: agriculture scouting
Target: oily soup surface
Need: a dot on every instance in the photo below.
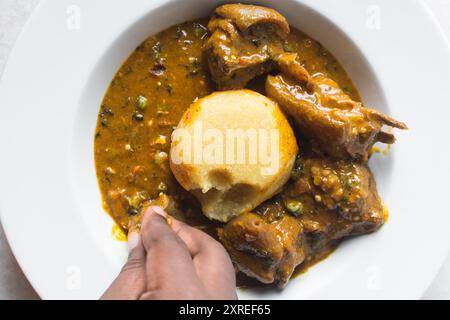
(145, 102)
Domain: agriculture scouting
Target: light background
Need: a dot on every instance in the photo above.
(13, 284)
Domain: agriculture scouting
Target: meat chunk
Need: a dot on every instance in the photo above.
(341, 191)
(266, 250)
(336, 125)
(288, 64)
(243, 43)
(326, 201)
(246, 16)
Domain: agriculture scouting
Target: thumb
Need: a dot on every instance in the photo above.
(130, 283)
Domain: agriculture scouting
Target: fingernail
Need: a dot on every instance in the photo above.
(158, 210)
(133, 240)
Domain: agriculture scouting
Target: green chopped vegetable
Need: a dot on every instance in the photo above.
(162, 187)
(141, 102)
(161, 157)
(135, 201)
(106, 111)
(193, 67)
(200, 30)
(294, 206)
(307, 43)
(298, 170)
(156, 50)
(287, 47)
(180, 33)
(132, 211)
(108, 173)
(168, 88)
(104, 122)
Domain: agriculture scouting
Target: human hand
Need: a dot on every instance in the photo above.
(173, 262)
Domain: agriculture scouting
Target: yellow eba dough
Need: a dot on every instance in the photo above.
(232, 150)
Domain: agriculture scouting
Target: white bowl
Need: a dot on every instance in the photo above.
(57, 76)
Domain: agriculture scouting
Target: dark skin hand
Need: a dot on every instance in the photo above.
(173, 261)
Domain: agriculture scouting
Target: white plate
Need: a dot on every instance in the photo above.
(51, 92)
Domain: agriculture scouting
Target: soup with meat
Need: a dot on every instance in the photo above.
(331, 193)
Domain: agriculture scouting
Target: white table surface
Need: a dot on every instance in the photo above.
(13, 284)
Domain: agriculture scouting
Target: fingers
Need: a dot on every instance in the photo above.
(130, 283)
(212, 262)
(167, 255)
(198, 242)
(173, 261)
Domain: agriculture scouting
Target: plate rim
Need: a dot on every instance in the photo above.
(35, 15)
